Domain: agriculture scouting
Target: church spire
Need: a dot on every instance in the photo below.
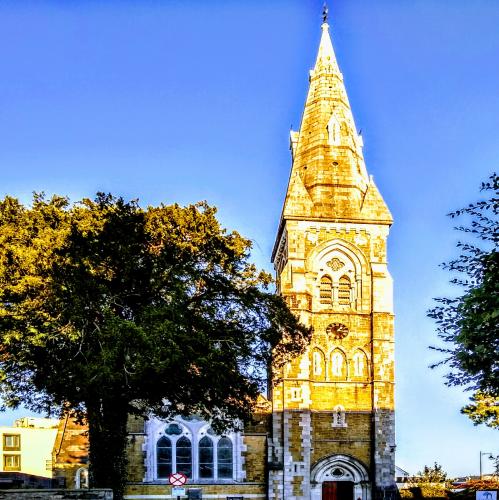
(329, 178)
(325, 56)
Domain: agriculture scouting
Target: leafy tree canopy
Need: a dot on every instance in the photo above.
(432, 474)
(109, 309)
(483, 409)
(469, 324)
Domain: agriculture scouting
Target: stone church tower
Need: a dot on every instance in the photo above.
(333, 431)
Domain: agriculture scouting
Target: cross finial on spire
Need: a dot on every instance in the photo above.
(325, 12)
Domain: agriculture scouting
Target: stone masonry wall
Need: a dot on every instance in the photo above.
(94, 494)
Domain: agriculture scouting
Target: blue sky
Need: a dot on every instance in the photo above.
(193, 100)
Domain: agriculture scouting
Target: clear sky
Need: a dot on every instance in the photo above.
(193, 100)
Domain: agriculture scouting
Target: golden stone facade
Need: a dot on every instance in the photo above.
(333, 413)
(327, 432)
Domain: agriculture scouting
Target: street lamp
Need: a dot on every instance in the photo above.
(481, 454)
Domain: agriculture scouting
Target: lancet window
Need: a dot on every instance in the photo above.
(319, 364)
(224, 458)
(333, 129)
(338, 364)
(326, 290)
(359, 361)
(206, 456)
(164, 457)
(344, 291)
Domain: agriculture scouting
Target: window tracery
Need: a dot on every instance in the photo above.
(200, 455)
(341, 276)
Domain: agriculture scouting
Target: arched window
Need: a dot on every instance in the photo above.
(339, 418)
(326, 290)
(344, 291)
(338, 368)
(359, 361)
(195, 450)
(164, 457)
(333, 129)
(319, 365)
(184, 456)
(224, 461)
(205, 448)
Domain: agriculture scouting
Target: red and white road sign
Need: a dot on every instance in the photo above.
(177, 479)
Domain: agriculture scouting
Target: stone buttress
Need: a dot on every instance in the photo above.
(333, 413)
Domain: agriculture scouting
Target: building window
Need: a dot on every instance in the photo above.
(164, 457)
(326, 290)
(318, 368)
(318, 365)
(338, 364)
(11, 462)
(184, 456)
(224, 452)
(205, 458)
(344, 291)
(333, 129)
(197, 452)
(359, 364)
(11, 442)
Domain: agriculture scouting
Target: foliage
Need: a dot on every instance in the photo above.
(468, 489)
(480, 484)
(108, 309)
(469, 324)
(432, 474)
(483, 409)
(424, 490)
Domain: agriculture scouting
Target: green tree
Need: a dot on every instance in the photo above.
(483, 409)
(432, 474)
(469, 324)
(108, 309)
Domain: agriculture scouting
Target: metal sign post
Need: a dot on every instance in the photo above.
(177, 479)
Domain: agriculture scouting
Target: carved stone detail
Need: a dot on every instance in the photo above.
(335, 264)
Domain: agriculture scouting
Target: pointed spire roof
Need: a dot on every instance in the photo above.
(328, 179)
(325, 55)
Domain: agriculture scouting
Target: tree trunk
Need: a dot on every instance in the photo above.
(107, 433)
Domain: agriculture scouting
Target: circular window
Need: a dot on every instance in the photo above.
(338, 472)
(173, 430)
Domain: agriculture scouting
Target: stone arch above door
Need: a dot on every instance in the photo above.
(340, 468)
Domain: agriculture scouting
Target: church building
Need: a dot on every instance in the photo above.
(326, 431)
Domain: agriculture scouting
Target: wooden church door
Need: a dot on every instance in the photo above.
(337, 490)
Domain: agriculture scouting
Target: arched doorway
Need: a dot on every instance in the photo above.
(339, 477)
